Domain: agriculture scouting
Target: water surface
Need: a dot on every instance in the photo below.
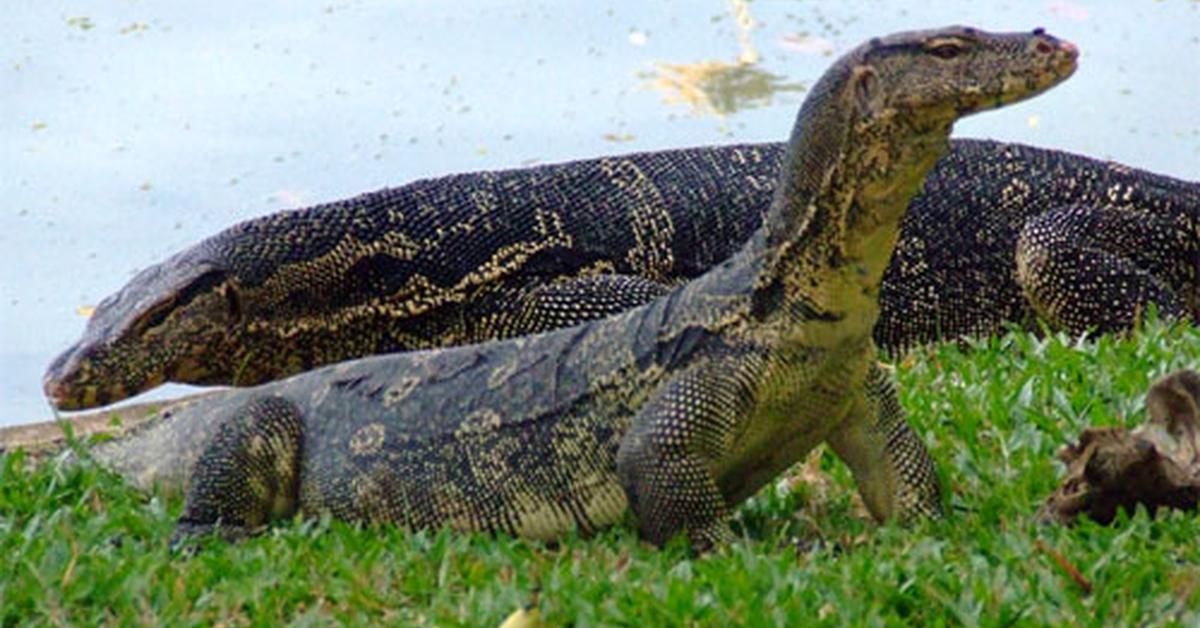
(131, 130)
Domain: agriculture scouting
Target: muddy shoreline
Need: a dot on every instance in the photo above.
(43, 439)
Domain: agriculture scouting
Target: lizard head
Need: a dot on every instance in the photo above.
(261, 300)
(931, 78)
(172, 322)
(879, 118)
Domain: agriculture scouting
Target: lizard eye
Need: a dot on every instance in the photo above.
(157, 313)
(947, 50)
(153, 316)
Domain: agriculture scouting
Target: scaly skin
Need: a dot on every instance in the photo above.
(676, 410)
(990, 241)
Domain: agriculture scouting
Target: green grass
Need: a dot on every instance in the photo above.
(77, 547)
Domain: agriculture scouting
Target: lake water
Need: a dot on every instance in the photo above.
(133, 129)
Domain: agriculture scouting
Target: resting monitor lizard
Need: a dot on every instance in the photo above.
(1001, 234)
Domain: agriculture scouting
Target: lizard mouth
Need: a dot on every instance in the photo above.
(64, 395)
(70, 383)
(1064, 57)
(58, 383)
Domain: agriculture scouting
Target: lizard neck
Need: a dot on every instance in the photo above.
(835, 218)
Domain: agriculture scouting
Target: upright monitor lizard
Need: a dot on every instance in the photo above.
(1001, 234)
(676, 410)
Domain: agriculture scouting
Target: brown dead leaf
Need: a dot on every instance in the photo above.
(1156, 465)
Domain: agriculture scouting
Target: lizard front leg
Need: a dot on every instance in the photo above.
(665, 460)
(891, 466)
(248, 474)
(564, 303)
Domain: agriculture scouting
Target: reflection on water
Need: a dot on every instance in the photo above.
(131, 130)
(719, 87)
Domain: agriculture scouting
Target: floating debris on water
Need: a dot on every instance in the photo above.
(81, 22)
(716, 87)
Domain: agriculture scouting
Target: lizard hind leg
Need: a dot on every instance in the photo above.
(248, 474)
(1095, 268)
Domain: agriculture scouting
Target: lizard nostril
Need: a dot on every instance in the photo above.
(1044, 47)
